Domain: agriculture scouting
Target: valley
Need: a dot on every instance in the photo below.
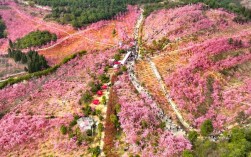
(174, 82)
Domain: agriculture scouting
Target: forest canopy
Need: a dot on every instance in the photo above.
(81, 12)
(233, 143)
(34, 61)
(33, 39)
(244, 14)
(231, 5)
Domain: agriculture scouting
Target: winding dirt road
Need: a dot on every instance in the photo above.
(69, 35)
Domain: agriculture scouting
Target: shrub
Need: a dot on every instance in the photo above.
(230, 41)
(123, 68)
(79, 142)
(101, 117)
(241, 117)
(144, 124)
(89, 132)
(98, 112)
(117, 57)
(204, 148)
(119, 73)
(1, 114)
(248, 134)
(192, 136)
(206, 128)
(104, 79)
(114, 32)
(95, 87)
(95, 151)
(87, 97)
(103, 101)
(117, 108)
(114, 120)
(100, 127)
(106, 69)
(240, 19)
(81, 53)
(76, 117)
(73, 123)
(238, 43)
(187, 153)
(71, 134)
(80, 136)
(63, 129)
(122, 51)
(162, 125)
(87, 110)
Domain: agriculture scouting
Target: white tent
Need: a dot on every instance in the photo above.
(126, 57)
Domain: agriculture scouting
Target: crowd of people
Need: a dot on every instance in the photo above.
(169, 124)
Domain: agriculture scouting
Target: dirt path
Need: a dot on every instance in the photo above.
(130, 66)
(169, 99)
(13, 75)
(72, 35)
(40, 22)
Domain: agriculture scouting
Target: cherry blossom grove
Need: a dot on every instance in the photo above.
(137, 110)
(31, 103)
(150, 79)
(184, 21)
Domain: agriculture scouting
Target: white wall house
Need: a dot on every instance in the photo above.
(85, 123)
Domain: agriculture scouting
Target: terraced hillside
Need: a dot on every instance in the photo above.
(205, 64)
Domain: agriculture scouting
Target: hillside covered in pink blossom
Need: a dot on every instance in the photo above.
(172, 83)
